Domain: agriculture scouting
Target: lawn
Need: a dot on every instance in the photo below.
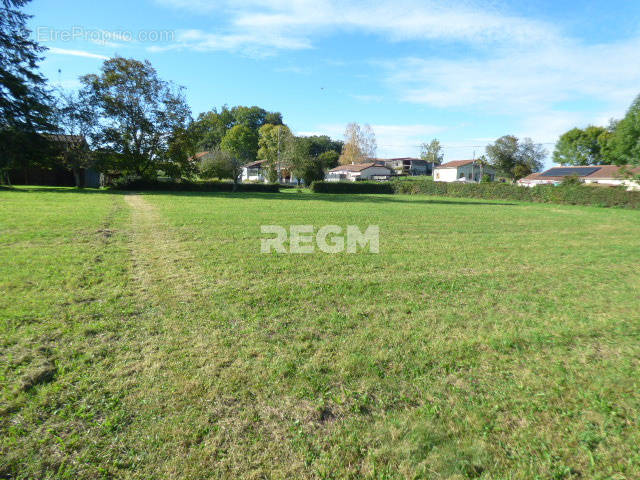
(146, 336)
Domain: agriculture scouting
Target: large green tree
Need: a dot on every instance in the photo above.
(272, 142)
(514, 158)
(240, 142)
(329, 159)
(211, 127)
(582, 146)
(24, 99)
(76, 119)
(140, 116)
(308, 158)
(626, 139)
(319, 144)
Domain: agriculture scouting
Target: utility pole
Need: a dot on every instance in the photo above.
(278, 161)
(473, 165)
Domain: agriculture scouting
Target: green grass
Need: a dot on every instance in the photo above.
(146, 337)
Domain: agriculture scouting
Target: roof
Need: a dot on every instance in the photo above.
(613, 171)
(257, 163)
(199, 155)
(403, 159)
(456, 164)
(579, 171)
(356, 167)
(590, 172)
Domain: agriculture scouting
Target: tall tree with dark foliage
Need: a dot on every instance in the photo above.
(24, 99)
(141, 116)
(516, 158)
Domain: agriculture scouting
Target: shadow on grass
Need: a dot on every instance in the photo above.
(32, 189)
(318, 197)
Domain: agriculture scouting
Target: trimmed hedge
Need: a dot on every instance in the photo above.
(352, 187)
(186, 186)
(571, 195)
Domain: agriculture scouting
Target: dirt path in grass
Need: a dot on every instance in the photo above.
(162, 266)
(189, 380)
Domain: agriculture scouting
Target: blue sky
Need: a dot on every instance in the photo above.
(465, 72)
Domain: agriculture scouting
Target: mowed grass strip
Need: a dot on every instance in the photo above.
(486, 340)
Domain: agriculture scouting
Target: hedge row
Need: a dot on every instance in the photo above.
(572, 195)
(185, 186)
(351, 187)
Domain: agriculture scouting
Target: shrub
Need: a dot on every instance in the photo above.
(351, 187)
(571, 180)
(414, 178)
(216, 164)
(567, 194)
(143, 184)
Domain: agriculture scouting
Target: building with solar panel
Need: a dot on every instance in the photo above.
(605, 175)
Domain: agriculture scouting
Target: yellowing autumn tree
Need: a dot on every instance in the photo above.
(360, 144)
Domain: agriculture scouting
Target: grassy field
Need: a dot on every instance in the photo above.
(145, 336)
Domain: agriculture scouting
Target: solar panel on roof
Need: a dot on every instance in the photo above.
(565, 172)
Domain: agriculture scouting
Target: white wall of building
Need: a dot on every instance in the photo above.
(252, 175)
(630, 184)
(445, 174)
(471, 173)
(366, 174)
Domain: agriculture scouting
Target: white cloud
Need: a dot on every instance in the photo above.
(249, 42)
(291, 25)
(546, 90)
(75, 53)
(525, 79)
(506, 64)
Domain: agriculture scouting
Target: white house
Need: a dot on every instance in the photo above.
(610, 175)
(254, 172)
(359, 171)
(462, 171)
(257, 172)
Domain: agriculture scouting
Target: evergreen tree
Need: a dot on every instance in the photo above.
(24, 99)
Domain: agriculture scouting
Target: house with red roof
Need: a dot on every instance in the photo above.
(605, 175)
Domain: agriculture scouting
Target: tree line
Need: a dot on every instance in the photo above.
(618, 143)
(135, 123)
(138, 124)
